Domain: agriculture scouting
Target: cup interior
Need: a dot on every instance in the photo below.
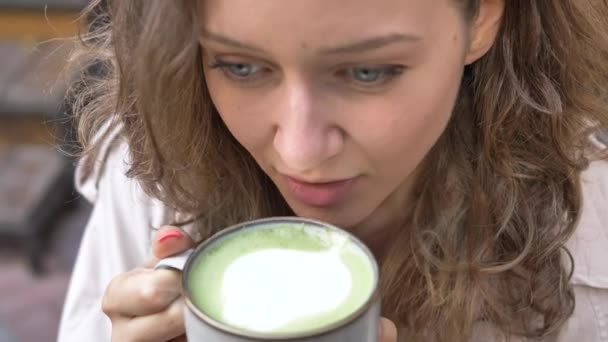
(311, 226)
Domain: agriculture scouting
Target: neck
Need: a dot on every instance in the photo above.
(379, 229)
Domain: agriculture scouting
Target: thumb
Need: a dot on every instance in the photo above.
(170, 240)
(388, 331)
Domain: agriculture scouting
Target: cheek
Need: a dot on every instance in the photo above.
(241, 113)
(399, 130)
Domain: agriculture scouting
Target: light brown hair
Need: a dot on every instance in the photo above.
(500, 194)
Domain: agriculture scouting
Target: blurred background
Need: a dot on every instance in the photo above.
(41, 216)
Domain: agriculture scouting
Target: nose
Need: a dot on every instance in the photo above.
(305, 136)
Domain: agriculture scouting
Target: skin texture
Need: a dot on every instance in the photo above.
(310, 112)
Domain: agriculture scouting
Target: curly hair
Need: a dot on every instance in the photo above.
(500, 194)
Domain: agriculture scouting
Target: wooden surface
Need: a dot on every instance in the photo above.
(37, 25)
(12, 55)
(35, 178)
(74, 5)
(34, 80)
(28, 130)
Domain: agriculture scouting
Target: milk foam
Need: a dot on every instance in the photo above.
(281, 279)
(292, 285)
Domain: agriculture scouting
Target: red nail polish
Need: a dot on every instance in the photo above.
(169, 234)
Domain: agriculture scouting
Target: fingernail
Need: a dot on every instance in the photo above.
(169, 234)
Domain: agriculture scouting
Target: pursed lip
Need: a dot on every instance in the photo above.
(319, 193)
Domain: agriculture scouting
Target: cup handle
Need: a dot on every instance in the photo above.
(175, 262)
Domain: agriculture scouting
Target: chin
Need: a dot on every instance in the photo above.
(341, 217)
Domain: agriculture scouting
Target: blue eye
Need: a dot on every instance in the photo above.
(373, 75)
(366, 75)
(237, 70)
(243, 70)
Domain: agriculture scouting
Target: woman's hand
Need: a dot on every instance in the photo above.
(388, 331)
(146, 304)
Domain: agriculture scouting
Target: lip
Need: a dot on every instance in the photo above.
(319, 194)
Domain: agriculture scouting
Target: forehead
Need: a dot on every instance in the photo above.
(322, 22)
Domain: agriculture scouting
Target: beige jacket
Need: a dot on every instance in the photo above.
(119, 231)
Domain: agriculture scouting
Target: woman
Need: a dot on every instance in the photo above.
(459, 139)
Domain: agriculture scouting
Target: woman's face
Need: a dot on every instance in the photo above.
(337, 101)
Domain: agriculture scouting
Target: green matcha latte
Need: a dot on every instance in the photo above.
(281, 278)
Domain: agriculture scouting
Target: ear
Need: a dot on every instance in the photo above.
(484, 29)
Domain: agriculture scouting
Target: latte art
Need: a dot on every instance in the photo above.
(282, 279)
(293, 285)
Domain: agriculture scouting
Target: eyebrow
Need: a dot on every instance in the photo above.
(360, 46)
(372, 43)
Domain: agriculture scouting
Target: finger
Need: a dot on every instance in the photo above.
(169, 241)
(141, 292)
(388, 331)
(163, 326)
(182, 338)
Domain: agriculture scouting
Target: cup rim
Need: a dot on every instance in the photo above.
(225, 328)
